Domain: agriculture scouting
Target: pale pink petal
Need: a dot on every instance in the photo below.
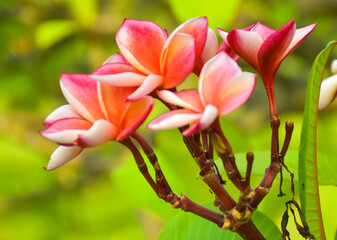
(246, 44)
(100, 132)
(65, 131)
(263, 30)
(114, 68)
(62, 155)
(215, 76)
(150, 83)
(125, 79)
(81, 93)
(197, 28)
(188, 99)
(334, 66)
(300, 35)
(208, 117)
(65, 111)
(141, 43)
(270, 54)
(238, 91)
(179, 60)
(211, 46)
(173, 119)
(116, 58)
(134, 115)
(328, 92)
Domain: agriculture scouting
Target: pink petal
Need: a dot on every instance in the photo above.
(114, 68)
(65, 111)
(211, 46)
(62, 155)
(270, 54)
(263, 30)
(209, 51)
(116, 58)
(197, 28)
(246, 44)
(65, 131)
(179, 60)
(173, 119)
(300, 35)
(113, 100)
(141, 43)
(215, 76)
(81, 93)
(135, 114)
(100, 132)
(150, 83)
(237, 92)
(188, 99)
(328, 92)
(208, 117)
(125, 79)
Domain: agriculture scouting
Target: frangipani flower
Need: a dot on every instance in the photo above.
(264, 49)
(166, 61)
(223, 87)
(328, 91)
(95, 114)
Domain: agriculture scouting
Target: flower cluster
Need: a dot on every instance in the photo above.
(113, 101)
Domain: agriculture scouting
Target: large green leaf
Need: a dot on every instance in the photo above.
(307, 169)
(187, 226)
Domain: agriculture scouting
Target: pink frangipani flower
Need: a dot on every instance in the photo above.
(95, 114)
(328, 91)
(264, 49)
(223, 87)
(165, 61)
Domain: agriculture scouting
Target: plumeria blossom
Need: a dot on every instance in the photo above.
(328, 91)
(165, 61)
(223, 87)
(95, 114)
(265, 48)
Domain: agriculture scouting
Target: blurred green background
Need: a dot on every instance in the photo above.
(101, 194)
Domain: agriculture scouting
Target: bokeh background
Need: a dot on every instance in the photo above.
(101, 194)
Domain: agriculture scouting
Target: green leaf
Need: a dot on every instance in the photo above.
(307, 167)
(220, 13)
(189, 226)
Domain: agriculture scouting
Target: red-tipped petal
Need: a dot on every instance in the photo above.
(179, 60)
(134, 115)
(263, 30)
(270, 54)
(197, 28)
(246, 44)
(215, 76)
(300, 35)
(62, 155)
(150, 83)
(65, 131)
(173, 119)
(188, 99)
(100, 132)
(237, 92)
(141, 43)
(116, 58)
(81, 93)
(65, 111)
